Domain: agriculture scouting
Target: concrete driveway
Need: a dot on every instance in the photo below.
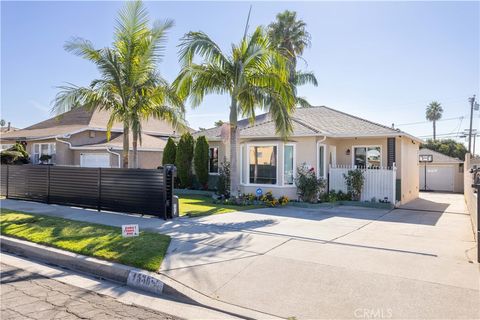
(342, 262)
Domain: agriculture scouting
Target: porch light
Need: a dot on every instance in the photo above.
(347, 152)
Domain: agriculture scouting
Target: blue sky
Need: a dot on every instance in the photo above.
(384, 61)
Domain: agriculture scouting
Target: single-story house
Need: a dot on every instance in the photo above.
(330, 141)
(79, 138)
(443, 173)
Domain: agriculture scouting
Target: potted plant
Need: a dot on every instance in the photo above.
(45, 158)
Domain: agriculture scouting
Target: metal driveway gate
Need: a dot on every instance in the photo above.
(145, 191)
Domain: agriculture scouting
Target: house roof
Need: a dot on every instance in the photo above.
(80, 119)
(313, 121)
(148, 143)
(438, 157)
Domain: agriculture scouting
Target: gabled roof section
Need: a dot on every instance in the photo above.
(148, 143)
(80, 119)
(267, 129)
(313, 121)
(438, 157)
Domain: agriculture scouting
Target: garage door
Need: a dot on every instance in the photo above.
(95, 160)
(439, 178)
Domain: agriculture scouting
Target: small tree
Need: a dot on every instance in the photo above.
(169, 152)
(223, 182)
(354, 180)
(15, 155)
(200, 161)
(183, 160)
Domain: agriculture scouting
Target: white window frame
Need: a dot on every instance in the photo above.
(366, 147)
(325, 164)
(6, 146)
(260, 144)
(50, 144)
(218, 161)
(294, 164)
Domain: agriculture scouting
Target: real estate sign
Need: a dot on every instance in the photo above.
(130, 230)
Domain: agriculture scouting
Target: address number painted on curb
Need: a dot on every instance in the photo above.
(130, 230)
(145, 282)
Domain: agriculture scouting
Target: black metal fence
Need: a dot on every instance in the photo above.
(145, 191)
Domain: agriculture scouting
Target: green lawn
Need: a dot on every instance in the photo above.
(198, 205)
(145, 251)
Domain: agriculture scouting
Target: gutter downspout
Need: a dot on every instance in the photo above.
(109, 150)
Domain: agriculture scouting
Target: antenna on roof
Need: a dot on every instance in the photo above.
(246, 25)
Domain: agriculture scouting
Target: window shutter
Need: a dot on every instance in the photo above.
(390, 152)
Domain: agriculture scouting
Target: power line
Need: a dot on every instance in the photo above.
(426, 121)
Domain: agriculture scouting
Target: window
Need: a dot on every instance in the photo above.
(262, 162)
(5, 146)
(40, 149)
(213, 160)
(321, 160)
(367, 157)
(288, 164)
(460, 168)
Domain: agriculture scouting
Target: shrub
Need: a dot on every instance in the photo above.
(283, 200)
(169, 152)
(200, 161)
(354, 180)
(308, 185)
(183, 160)
(223, 182)
(15, 155)
(45, 158)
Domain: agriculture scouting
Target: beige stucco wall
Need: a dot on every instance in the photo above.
(84, 138)
(149, 159)
(408, 168)
(306, 152)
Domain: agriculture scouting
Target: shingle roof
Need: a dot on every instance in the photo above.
(148, 142)
(80, 118)
(439, 157)
(312, 121)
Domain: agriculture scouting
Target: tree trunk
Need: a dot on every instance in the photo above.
(234, 172)
(126, 144)
(135, 150)
(434, 131)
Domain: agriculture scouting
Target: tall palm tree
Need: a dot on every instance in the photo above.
(434, 113)
(129, 87)
(289, 35)
(252, 74)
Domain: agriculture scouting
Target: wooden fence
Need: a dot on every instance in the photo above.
(379, 182)
(116, 189)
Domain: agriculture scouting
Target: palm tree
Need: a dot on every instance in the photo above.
(289, 35)
(129, 87)
(434, 113)
(252, 74)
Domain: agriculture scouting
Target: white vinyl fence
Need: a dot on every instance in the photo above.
(379, 182)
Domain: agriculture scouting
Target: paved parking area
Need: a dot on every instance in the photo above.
(344, 262)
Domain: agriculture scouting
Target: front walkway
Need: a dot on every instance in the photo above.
(345, 262)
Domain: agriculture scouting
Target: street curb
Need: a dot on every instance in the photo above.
(138, 279)
(132, 277)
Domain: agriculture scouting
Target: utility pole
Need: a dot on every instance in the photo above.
(473, 104)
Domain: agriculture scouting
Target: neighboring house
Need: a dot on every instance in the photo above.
(330, 141)
(444, 173)
(79, 138)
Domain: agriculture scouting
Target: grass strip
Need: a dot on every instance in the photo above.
(200, 205)
(104, 242)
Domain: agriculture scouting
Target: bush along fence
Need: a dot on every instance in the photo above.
(379, 183)
(145, 191)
